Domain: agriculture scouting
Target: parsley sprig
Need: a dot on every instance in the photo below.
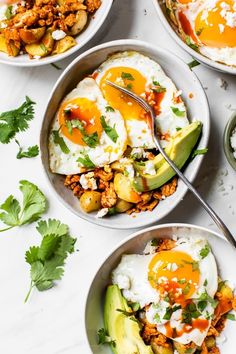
(33, 206)
(48, 259)
(15, 121)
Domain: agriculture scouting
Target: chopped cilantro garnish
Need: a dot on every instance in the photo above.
(199, 152)
(58, 140)
(127, 76)
(177, 112)
(193, 63)
(104, 338)
(109, 109)
(86, 161)
(230, 316)
(110, 131)
(205, 251)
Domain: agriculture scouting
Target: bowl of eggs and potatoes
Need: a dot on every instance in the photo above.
(96, 144)
(164, 290)
(206, 29)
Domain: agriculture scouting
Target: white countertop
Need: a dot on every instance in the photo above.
(52, 321)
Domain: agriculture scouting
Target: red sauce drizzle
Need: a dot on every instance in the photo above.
(186, 26)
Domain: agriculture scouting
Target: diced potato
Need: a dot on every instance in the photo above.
(122, 206)
(90, 201)
(64, 44)
(30, 36)
(60, 2)
(118, 166)
(8, 48)
(124, 189)
(210, 342)
(158, 349)
(43, 48)
(81, 20)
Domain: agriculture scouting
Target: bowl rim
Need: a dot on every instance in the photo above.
(200, 57)
(130, 237)
(107, 4)
(105, 45)
(231, 124)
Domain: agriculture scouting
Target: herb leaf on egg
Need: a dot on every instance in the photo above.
(158, 88)
(111, 132)
(127, 76)
(90, 139)
(191, 44)
(86, 161)
(58, 140)
(109, 109)
(193, 63)
(15, 121)
(177, 111)
(205, 251)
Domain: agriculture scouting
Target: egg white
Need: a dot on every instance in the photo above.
(131, 275)
(67, 163)
(139, 133)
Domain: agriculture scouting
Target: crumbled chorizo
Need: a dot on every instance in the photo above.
(169, 188)
(109, 197)
(92, 5)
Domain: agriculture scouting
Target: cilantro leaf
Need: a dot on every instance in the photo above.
(33, 205)
(199, 152)
(16, 120)
(177, 112)
(193, 63)
(158, 88)
(109, 109)
(111, 132)
(58, 140)
(205, 251)
(91, 139)
(104, 338)
(86, 161)
(8, 12)
(48, 259)
(127, 76)
(191, 44)
(230, 316)
(32, 151)
(186, 289)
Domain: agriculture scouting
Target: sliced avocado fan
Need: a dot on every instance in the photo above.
(124, 330)
(179, 150)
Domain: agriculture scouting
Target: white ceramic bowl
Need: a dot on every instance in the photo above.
(185, 80)
(172, 30)
(93, 26)
(135, 243)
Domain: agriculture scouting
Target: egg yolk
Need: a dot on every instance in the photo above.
(130, 79)
(211, 26)
(83, 110)
(185, 1)
(174, 274)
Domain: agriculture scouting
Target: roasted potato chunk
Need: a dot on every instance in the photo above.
(90, 201)
(158, 349)
(8, 48)
(30, 36)
(43, 48)
(122, 206)
(81, 20)
(185, 349)
(124, 189)
(64, 44)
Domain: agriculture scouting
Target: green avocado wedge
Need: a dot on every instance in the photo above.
(124, 330)
(179, 150)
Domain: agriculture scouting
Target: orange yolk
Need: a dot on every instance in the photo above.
(83, 110)
(209, 30)
(128, 78)
(185, 1)
(179, 276)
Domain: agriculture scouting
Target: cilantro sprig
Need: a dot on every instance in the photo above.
(104, 338)
(47, 260)
(15, 121)
(58, 140)
(32, 151)
(90, 139)
(86, 161)
(33, 206)
(110, 131)
(177, 112)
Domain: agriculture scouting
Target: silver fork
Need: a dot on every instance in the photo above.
(206, 206)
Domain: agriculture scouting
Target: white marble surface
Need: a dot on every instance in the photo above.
(52, 322)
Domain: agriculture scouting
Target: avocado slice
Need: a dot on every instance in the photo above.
(124, 330)
(178, 150)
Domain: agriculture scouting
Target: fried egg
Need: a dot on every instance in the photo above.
(86, 132)
(176, 287)
(211, 26)
(146, 78)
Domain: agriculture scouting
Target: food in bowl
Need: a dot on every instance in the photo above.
(170, 299)
(43, 27)
(233, 141)
(207, 26)
(101, 139)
